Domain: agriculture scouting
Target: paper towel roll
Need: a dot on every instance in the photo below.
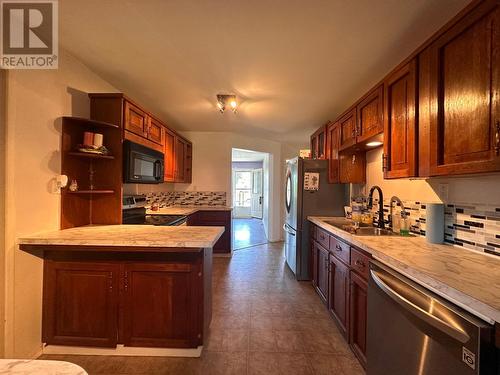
(434, 227)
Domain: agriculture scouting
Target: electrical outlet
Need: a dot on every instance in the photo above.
(443, 191)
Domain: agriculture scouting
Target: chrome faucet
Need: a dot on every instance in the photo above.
(380, 223)
(398, 201)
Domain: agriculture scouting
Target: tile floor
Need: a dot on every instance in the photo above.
(248, 232)
(264, 322)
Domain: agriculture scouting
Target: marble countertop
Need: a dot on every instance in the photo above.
(186, 210)
(40, 367)
(469, 279)
(130, 236)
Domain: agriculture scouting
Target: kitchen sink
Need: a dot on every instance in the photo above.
(348, 226)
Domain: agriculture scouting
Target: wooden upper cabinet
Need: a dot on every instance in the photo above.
(347, 124)
(318, 143)
(332, 152)
(400, 133)
(155, 131)
(370, 115)
(180, 156)
(136, 120)
(188, 163)
(352, 167)
(169, 155)
(464, 95)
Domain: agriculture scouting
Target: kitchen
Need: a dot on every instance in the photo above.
(383, 252)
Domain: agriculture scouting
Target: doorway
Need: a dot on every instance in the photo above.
(249, 193)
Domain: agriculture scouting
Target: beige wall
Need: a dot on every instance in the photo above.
(212, 169)
(482, 189)
(36, 99)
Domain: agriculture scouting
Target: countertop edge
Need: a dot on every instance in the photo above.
(154, 244)
(480, 309)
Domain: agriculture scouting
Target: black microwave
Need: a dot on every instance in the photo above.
(142, 165)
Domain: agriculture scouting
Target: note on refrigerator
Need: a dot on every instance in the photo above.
(311, 181)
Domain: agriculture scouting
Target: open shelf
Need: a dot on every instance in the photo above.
(90, 156)
(91, 192)
(90, 123)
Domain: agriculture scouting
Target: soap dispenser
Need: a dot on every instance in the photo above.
(404, 224)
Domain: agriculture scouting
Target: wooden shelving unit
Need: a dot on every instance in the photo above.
(98, 176)
(92, 192)
(89, 155)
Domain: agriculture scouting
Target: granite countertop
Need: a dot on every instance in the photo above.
(186, 210)
(41, 367)
(130, 236)
(464, 277)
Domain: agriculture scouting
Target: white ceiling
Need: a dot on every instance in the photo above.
(294, 64)
(247, 155)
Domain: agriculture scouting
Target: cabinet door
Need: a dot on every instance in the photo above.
(347, 125)
(357, 318)
(180, 156)
(333, 140)
(314, 252)
(322, 272)
(400, 136)
(338, 302)
(188, 163)
(314, 147)
(352, 167)
(80, 303)
(136, 120)
(464, 88)
(161, 305)
(169, 154)
(370, 115)
(155, 131)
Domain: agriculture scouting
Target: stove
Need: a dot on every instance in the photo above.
(134, 212)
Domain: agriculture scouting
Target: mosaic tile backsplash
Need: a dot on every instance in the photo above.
(473, 226)
(188, 198)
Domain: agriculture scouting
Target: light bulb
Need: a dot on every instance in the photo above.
(374, 144)
(233, 103)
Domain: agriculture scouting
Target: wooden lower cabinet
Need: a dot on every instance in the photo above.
(358, 309)
(340, 279)
(80, 303)
(338, 297)
(101, 299)
(321, 271)
(160, 305)
(215, 218)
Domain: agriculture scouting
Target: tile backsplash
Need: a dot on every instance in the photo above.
(188, 198)
(473, 226)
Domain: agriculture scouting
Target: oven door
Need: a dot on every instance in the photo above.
(142, 165)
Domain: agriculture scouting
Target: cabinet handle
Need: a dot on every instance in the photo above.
(126, 281)
(497, 138)
(359, 263)
(338, 248)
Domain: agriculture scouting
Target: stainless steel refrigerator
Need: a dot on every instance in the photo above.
(319, 199)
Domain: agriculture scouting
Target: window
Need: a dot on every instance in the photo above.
(242, 188)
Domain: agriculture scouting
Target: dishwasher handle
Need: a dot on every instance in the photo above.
(416, 310)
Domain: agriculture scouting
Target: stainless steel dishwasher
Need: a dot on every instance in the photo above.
(412, 331)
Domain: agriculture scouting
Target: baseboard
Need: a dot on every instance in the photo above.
(123, 351)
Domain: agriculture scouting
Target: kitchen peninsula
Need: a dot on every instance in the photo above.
(126, 285)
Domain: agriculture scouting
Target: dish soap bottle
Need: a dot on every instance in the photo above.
(404, 224)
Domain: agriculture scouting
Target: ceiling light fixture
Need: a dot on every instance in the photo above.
(374, 144)
(226, 100)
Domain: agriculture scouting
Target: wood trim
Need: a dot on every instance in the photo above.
(112, 249)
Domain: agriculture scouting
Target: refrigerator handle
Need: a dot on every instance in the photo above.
(427, 317)
(286, 230)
